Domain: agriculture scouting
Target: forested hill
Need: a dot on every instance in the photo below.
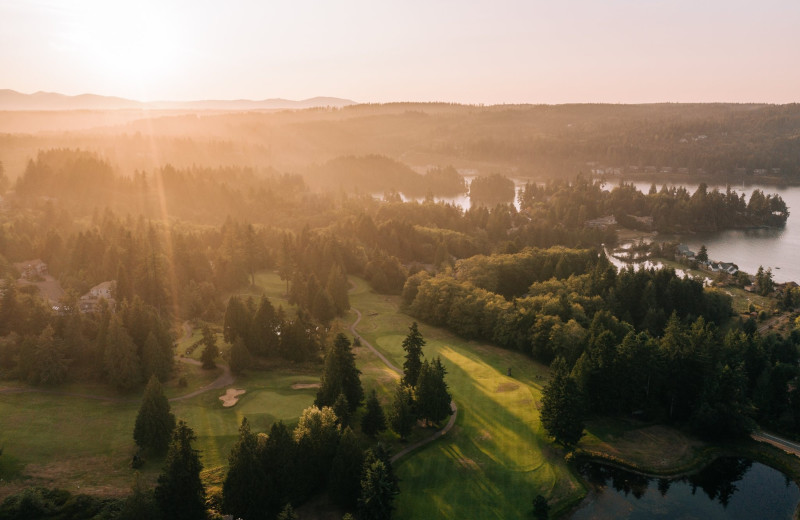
(728, 143)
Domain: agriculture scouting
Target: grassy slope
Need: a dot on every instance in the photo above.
(490, 466)
(497, 458)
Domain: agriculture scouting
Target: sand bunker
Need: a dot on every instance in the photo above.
(300, 386)
(231, 397)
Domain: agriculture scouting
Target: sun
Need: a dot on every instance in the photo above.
(135, 47)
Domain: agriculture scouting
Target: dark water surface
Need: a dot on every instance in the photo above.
(729, 488)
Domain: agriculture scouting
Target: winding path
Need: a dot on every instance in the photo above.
(453, 407)
(778, 442)
(225, 379)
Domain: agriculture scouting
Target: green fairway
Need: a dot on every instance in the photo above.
(491, 465)
(497, 458)
(86, 445)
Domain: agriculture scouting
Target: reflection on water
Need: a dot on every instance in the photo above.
(463, 200)
(751, 248)
(729, 488)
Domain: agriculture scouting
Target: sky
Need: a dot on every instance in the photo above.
(491, 52)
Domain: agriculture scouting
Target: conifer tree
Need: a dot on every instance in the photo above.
(374, 420)
(323, 307)
(122, 366)
(278, 456)
(433, 399)
(210, 349)
(236, 323)
(156, 360)
(402, 417)
(154, 422)
(412, 344)
(379, 452)
(287, 513)
(337, 287)
(377, 493)
(240, 356)
(180, 493)
(244, 485)
(345, 476)
(342, 410)
(264, 329)
(340, 375)
(562, 413)
(702, 255)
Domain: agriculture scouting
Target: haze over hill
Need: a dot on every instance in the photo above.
(13, 100)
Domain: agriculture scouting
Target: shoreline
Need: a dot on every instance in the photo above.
(762, 453)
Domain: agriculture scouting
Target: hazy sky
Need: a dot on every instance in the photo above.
(466, 51)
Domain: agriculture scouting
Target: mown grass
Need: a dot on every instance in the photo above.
(86, 445)
(490, 465)
(497, 458)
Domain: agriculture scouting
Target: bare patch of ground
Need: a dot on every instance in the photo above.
(231, 397)
(49, 288)
(506, 387)
(657, 448)
(300, 386)
(91, 475)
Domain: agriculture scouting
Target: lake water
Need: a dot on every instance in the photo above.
(463, 200)
(729, 488)
(778, 249)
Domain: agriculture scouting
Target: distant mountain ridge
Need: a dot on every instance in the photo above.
(13, 100)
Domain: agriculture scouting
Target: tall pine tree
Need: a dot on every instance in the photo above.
(374, 420)
(377, 493)
(402, 417)
(412, 344)
(122, 366)
(154, 422)
(433, 399)
(345, 476)
(562, 413)
(210, 349)
(244, 485)
(180, 493)
(340, 375)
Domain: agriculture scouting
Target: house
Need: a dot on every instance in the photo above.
(102, 291)
(602, 222)
(728, 267)
(683, 250)
(32, 269)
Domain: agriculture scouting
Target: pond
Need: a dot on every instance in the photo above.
(728, 488)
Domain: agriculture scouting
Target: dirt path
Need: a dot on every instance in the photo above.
(367, 343)
(453, 407)
(225, 379)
